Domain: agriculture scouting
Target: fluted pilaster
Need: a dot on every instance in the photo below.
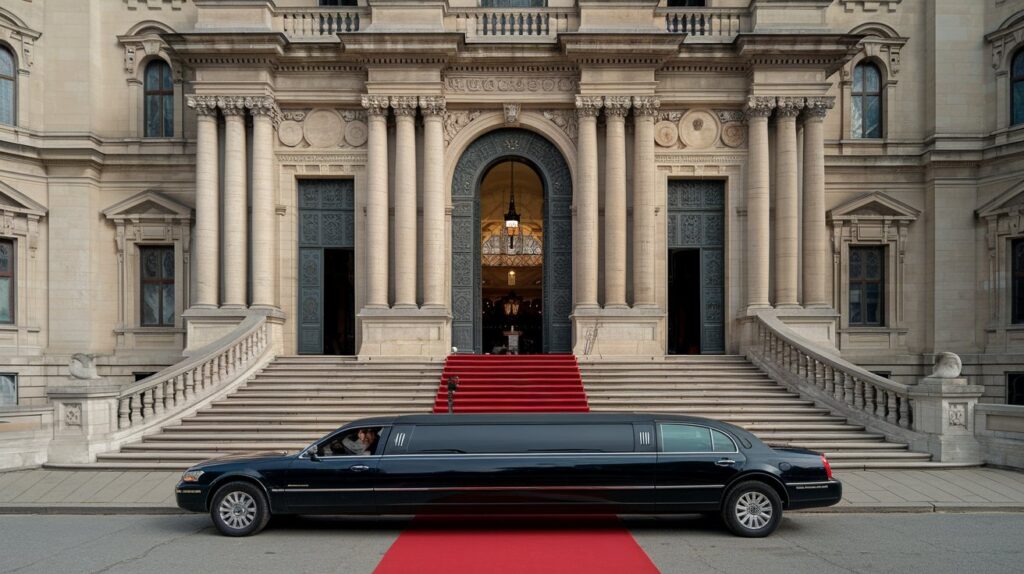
(404, 108)
(758, 235)
(586, 250)
(787, 206)
(264, 229)
(815, 241)
(235, 206)
(377, 201)
(207, 230)
(645, 109)
(615, 109)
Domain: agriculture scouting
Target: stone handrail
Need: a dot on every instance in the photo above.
(514, 24)
(179, 386)
(320, 22)
(706, 22)
(778, 348)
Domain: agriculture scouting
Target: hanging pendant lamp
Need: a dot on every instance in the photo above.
(511, 216)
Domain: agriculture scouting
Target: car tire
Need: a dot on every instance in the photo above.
(752, 509)
(239, 509)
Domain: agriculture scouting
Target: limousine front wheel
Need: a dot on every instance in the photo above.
(239, 509)
(752, 509)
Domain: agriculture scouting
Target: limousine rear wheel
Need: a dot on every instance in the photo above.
(752, 509)
(239, 509)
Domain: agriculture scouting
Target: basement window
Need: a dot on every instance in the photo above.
(1015, 388)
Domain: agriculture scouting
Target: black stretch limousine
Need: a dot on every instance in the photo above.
(499, 464)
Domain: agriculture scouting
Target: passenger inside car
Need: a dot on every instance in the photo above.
(361, 442)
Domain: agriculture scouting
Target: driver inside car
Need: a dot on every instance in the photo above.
(361, 442)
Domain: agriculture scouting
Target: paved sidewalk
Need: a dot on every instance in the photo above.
(113, 492)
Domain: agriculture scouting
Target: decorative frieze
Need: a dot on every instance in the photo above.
(526, 84)
(323, 128)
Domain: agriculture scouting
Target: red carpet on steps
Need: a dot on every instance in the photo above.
(594, 545)
(513, 384)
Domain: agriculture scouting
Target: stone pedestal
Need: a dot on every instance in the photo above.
(944, 410)
(617, 332)
(817, 325)
(420, 333)
(85, 418)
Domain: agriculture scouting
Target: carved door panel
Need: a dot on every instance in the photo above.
(326, 220)
(696, 220)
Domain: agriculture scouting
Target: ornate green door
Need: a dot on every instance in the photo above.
(326, 220)
(543, 156)
(696, 220)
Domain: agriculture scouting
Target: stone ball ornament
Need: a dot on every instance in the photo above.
(699, 129)
(666, 134)
(947, 366)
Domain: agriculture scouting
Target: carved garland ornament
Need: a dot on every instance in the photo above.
(522, 84)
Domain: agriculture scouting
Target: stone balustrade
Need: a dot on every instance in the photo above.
(176, 387)
(776, 349)
(512, 24)
(706, 22)
(94, 418)
(320, 22)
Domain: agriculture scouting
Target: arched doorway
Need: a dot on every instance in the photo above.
(490, 155)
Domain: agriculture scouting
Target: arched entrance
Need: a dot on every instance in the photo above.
(542, 158)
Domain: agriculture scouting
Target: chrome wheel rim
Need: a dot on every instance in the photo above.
(237, 510)
(754, 510)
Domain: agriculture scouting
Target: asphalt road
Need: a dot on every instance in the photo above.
(813, 543)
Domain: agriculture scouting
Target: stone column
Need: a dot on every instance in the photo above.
(264, 229)
(815, 240)
(758, 236)
(405, 200)
(645, 108)
(586, 252)
(433, 110)
(615, 110)
(377, 201)
(235, 207)
(787, 219)
(207, 230)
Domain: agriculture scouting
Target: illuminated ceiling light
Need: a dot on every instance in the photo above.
(511, 216)
(511, 278)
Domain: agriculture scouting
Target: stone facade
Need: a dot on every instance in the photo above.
(391, 93)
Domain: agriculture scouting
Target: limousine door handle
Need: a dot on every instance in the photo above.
(359, 468)
(726, 462)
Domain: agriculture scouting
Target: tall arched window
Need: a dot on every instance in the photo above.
(1017, 88)
(7, 78)
(867, 101)
(159, 96)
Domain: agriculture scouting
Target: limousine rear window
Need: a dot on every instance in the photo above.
(521, 438)
(690, 438)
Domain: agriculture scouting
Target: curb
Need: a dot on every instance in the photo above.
(90, 509)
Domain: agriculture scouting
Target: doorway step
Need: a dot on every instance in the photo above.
(513, 384)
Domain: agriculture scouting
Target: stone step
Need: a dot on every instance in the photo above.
(628, 405)
(216, 446)
(829, 446)
(351, 402)
(653, 398)
(875, 455)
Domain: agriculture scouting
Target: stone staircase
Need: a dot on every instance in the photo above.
(731, 389)
(286, 406)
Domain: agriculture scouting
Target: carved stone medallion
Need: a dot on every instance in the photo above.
(290, 133)
(356, 133)
(666, 134)
(323, 128)
(734, 134)
(698, 129)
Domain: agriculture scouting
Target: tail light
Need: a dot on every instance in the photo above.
(828, 467)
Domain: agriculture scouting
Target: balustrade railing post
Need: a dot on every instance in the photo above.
(136, 409)
(905, 412)
(147, 404)
(848, 390)
(858, 394)
(892, 415)
(122, 413)
(880, 403)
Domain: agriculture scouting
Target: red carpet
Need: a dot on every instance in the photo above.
(596, 546)
(513, 384)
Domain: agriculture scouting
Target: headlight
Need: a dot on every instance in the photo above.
(191, 476)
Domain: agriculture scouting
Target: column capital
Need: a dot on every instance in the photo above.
(817, 107)
(646, 105)
(231, 105)
(588, 106)
(433, 105)
(264, 106)
(759, 106)
(376, 105)
(404, 105)
(788, 106)
(205, 106)
(617, 106)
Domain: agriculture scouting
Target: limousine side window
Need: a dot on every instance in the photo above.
(352, 442)
(689, 438)
(521, 438)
